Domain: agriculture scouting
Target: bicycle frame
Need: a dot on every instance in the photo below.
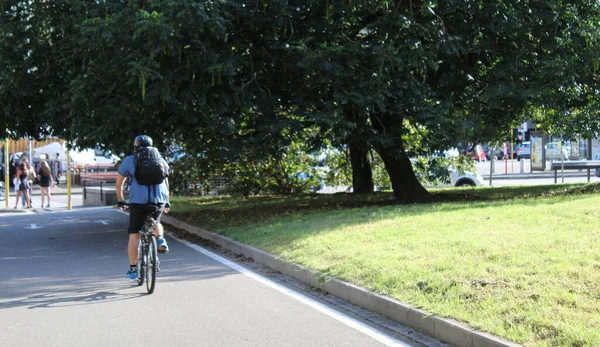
(148, 263)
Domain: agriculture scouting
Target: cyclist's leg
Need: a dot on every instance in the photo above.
(136, 221)
(158, 228)
(132, 249)
(159, 231)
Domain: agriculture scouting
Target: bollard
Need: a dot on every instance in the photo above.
(522, 161)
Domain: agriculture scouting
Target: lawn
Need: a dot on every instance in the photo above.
(519, 262)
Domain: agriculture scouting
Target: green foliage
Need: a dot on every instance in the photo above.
(102, 72)
(339, 172)
(189, 176)
(238, 80)
(430, 170)
(291, 171)
(434, 170)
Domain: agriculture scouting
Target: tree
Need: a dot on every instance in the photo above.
(238, 77)
(453, 70)
(102, 72)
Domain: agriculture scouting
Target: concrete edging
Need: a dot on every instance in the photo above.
(445, 330)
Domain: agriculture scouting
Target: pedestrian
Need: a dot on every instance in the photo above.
(23, 184)
(52, 171)
(12, 168)
(31, 176)
(57, 169)
(16, 181)
(46, 181)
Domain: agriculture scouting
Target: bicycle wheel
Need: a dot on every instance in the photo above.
(141, 263)
(151, 265)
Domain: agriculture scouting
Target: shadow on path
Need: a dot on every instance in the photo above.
(59, 298)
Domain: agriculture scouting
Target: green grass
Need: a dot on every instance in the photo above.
(522, 262)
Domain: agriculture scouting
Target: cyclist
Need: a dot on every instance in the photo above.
(141, 199)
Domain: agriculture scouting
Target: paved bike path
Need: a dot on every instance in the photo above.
(62, 284)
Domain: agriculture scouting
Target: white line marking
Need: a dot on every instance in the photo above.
(349, 321)
(103, 222)
(33, 226)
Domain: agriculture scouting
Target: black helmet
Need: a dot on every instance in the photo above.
(142, 141)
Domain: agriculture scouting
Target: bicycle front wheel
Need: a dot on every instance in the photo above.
(151, 265)
(141, 262)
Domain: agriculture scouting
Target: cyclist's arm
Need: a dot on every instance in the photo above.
(167, 209)
(120, 182)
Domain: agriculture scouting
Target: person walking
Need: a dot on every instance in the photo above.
(46, 181)
(31, 176)
(23, 184)
(57, 166)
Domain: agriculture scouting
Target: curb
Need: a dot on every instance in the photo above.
(11, 210)
(445, 330)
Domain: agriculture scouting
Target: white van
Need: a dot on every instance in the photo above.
(554, 151)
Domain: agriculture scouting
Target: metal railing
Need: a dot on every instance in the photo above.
(97, 182)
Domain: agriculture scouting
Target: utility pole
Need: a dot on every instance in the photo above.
(6, 171)
(69, 203)
(492, 158)
(29, 150)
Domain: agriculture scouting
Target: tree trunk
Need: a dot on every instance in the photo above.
(362, 175)
(405, 184)
(390, 148)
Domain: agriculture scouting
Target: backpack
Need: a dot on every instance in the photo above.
(149, 166)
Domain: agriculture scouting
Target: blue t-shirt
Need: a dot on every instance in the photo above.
(138, 194)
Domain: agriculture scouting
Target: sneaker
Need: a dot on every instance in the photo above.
(162, 245)
(132, 274)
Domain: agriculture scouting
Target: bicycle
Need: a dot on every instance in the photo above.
(148, 264)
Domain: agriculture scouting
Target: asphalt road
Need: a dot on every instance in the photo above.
(63, 284)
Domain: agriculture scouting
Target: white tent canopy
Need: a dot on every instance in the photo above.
(84, 157)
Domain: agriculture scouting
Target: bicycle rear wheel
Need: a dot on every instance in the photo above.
(141, 263)
(151, 265)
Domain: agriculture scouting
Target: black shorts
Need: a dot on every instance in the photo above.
(138, 213)
(23, 185)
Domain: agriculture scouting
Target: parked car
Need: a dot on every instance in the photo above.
(467, 178)
(524, 151)
(554, 151)
(498, 152)
(457, 179)
(451, 153)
